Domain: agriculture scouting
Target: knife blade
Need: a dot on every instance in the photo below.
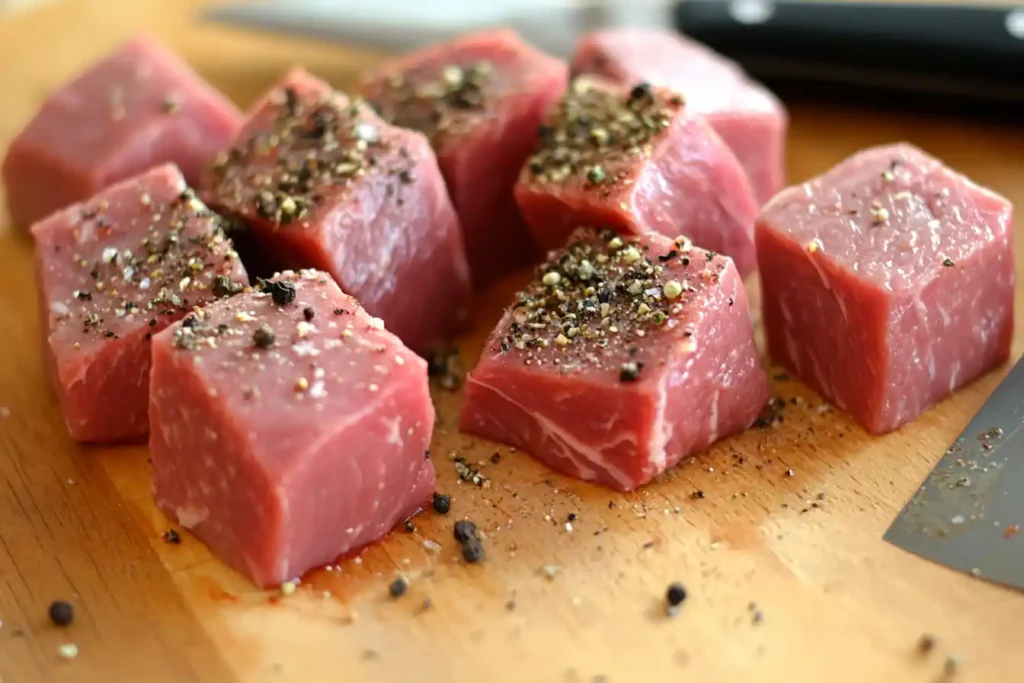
(966, 51)
(967, 514)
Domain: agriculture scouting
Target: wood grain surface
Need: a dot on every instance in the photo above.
(788, 577)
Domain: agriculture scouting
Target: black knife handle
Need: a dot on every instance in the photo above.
(942, 48)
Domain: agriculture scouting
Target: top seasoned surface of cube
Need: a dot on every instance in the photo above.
(292, 358)
(303, 148)
(445, 91)
(892, 215)
(600, 134)
(136, 254)
(142, 85)
(710, 82)
(607, 305)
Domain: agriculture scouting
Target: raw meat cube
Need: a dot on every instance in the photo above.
(636, 160)
(479, 99)
(887, 282)
(138, 107)
(324, 183)
(743, 112)
(623, 356)
(288, 427)
(112, 271)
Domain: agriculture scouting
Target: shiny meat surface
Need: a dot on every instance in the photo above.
(751, 120)
(479, 98)
(137, 107)
(887, 282)
(623, 356)
(112, 271)
(636, 160)
(324, 183)
(288, 427)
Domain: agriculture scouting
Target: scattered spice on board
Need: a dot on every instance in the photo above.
(409, 526)
(468, 473)
(67, 651)
(61, 613)
(445, 366)
(674, 598)
(473, 551)
(596, 129)
(926, 643)
(442, 503)
(398, 587)
(464, 530)
(171, 536)
(952, 665)
(446, 102)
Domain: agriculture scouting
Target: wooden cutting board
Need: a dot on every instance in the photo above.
(788, 577)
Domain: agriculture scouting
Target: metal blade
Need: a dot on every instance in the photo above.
(966, 515)
(399, 25)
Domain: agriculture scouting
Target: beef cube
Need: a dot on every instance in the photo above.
(112, 271)
(623, 356)
(887, 282)
(138, 107)
(636, 160)
(288, 427)
(750, 119)
(324, 183)
(479, 99)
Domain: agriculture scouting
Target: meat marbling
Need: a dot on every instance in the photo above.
(622, 357)
(112, 271)
(288, 427)
(751, 120)
(887, 282)
(636, 160)
(137, 107)
(479, 99)
(324, 183)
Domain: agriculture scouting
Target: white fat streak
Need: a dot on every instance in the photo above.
(570, 444)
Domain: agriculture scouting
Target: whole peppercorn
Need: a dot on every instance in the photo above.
(61, 613)
(442, 503)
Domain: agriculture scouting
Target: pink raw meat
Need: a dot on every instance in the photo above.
(326, 184)
(138, 107)
(479, 99)
(636, 160)
(621, 358)
(112, 271)
(743, 112)
(288, 427)
(887, 282)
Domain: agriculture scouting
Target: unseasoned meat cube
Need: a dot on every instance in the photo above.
(479, 99)
(324, 183)
(138, 107)
(636, 160)
(112, 271)
(622, 357)
(288, 427)
(887, 282)
(747, 116)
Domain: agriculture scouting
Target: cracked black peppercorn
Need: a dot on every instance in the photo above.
(308, 313)
(675, 596)
(172, 537)
(464, 530)
(263, 337)
(630, 372)
(282, 293)
(472, 551)
(409, 526)
(398, 587)
(442, 503)
(61, 613)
